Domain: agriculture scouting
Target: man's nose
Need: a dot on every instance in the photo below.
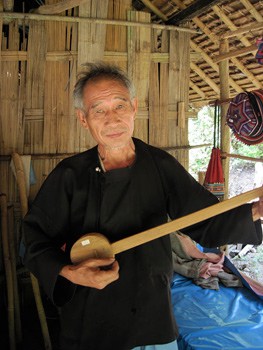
(112, 116)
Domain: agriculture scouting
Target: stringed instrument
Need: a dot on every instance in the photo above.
(95, 245)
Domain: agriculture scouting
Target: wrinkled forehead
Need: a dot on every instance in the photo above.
(104, 90)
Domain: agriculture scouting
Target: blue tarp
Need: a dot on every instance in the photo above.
(229, 319)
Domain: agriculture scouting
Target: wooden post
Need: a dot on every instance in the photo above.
(12, 251)
(224, 94)
(225, 131)
(8, 272)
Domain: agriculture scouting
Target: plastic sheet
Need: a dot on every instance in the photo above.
(229, 319)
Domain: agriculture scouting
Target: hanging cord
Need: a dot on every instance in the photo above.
(217, 125)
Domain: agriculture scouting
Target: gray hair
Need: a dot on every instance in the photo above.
(94, 71)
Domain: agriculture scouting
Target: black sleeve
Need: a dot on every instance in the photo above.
(184, 195)
(45, 230)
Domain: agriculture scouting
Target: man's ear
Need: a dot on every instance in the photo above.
(82, 118)
(135, 105)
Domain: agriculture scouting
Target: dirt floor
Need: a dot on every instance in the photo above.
(251, 263)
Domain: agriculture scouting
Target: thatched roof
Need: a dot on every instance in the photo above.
(216, 20)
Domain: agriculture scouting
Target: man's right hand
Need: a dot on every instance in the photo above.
(90, 273)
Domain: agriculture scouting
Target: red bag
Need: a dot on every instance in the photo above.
(214, 178)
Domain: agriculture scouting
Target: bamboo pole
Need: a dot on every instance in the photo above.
(66, 155)
(12, 249)
(8, 5)
(224, 94)
(224, 154)
(37, 17)
(154, 9)
(58, 7)
(225, 132)
(21, 182)
(235, 53)
(240, 31)
(9, 275)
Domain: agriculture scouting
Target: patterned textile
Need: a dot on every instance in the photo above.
(259, 53)
(244, 117)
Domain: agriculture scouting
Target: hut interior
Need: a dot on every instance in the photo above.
(181, 55)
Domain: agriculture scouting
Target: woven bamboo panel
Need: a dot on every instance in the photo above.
(116, 36)
(10, 108)
(91, 44)
(37, 113)
(139, 61)
(178, 78)
(158, 105)
(35, 75)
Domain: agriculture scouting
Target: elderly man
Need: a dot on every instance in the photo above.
(118, 188)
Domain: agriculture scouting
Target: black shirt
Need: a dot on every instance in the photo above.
(78, 198)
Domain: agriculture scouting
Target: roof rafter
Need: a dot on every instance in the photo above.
(244, 41)
(215, 39)
(194, 10)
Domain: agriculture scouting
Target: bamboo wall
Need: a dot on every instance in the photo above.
(39, 61)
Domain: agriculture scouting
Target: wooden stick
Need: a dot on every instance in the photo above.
(12, 249)
(58, 7)
(240, 31)
(235, 53)
(185, 221)
(224, 129)
(21, 181)
(7, 157)
(9, 275)
(224, 154)
(37, 17)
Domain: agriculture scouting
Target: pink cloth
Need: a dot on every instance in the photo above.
(214, 262)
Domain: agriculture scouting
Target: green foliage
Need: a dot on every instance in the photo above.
(237, 147)
(201, 131)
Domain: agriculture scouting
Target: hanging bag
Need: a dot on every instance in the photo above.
(244, 117)
(214, 178)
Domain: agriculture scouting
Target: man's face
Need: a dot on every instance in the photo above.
(110, 113)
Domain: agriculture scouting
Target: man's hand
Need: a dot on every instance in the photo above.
(257, 209)
(90, 273)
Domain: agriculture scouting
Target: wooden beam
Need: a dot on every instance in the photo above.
(205, 77)
(197, 90)
(244, 41)
(197, 49)
(37, 17)
(8, 5)
(225, 130)
(194, 10)
(235, 53)
(154, 9)
(58, 7)
(251, 9)
(214, 38)
(239, 156)
(240, 31)
(213, 65)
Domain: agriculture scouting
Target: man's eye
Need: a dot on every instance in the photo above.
(99, 111)
(120, 106)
